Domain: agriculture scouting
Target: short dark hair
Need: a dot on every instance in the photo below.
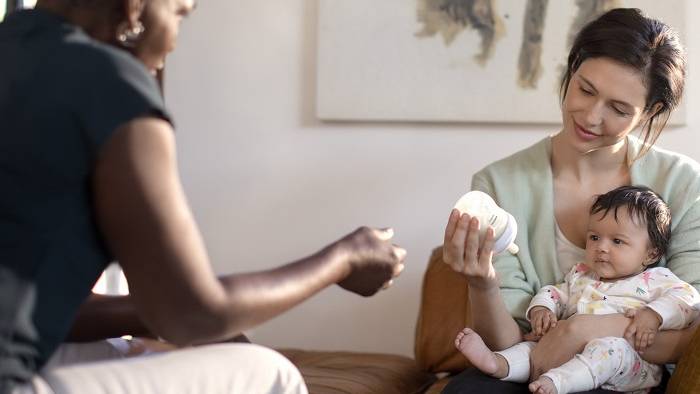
(644, 204)
(649, 46)
(114, 9)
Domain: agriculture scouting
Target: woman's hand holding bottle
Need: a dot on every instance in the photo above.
(463, 252)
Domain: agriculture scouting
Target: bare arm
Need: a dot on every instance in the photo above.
(669, 345)
(107, 316)
(103, 316)
(463, 253)
(492, 320)
(148, 225)
(570, 336)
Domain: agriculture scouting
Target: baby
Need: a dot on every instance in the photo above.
(629, 230)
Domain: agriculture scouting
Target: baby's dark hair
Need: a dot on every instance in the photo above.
(643, 204)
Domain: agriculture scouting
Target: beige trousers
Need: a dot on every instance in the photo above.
(103, 368)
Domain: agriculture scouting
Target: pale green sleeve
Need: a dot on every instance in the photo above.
(515, 290)
(683, 255)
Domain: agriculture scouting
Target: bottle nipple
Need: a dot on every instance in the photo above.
(513, 249)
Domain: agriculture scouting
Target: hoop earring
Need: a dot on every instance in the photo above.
(128, 35)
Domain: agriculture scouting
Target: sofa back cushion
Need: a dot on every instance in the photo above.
(442, 314)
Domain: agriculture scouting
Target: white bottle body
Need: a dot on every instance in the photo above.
(481, 205)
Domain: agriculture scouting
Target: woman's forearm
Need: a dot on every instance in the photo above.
(570, 336)
(668, 346)
(103, 316)
(491, 319)
(464, 252)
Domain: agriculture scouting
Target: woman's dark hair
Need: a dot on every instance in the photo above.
(644, 205)
(114, 8)
(651, 47)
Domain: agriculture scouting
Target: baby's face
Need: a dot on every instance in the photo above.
(617, 248)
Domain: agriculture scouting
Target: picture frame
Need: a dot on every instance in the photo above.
(425, 61)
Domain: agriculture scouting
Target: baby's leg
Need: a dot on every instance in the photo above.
(543, 385)
(633, 374)
(610, 363)
(473, 347)
(573, 376)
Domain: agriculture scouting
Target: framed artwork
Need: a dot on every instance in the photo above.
(455, 60)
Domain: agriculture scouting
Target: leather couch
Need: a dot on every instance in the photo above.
(443, 312)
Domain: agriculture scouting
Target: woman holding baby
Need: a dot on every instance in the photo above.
(625, 71)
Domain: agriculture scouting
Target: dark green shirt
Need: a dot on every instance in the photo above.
(62, 95)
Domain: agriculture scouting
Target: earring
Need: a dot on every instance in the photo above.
(128, 35)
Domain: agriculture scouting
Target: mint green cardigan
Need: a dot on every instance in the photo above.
(522, 185)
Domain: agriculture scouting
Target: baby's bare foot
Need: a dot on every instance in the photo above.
(543, 385)
(473, 347)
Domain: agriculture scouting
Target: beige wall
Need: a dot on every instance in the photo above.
(269, 183)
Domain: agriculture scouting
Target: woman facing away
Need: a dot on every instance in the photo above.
(625, 71)
(89, 175)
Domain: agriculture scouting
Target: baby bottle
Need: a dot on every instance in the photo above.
(481, 205)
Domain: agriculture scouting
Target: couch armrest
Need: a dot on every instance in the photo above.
(442, 314)
(686, 377)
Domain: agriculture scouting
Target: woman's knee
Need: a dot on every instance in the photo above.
(261, 355)
(220, 368)
(265, 367)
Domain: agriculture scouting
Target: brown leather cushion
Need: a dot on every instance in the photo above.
(443, 313)
(358, 373)
(686, 377)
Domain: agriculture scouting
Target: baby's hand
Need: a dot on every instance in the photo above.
(643, 328)
(542, 320)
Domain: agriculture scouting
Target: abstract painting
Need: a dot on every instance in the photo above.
(455, 60)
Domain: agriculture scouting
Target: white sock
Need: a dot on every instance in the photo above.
(572, 377)
(518, 358)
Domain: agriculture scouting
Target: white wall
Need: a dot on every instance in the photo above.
(269, 183)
